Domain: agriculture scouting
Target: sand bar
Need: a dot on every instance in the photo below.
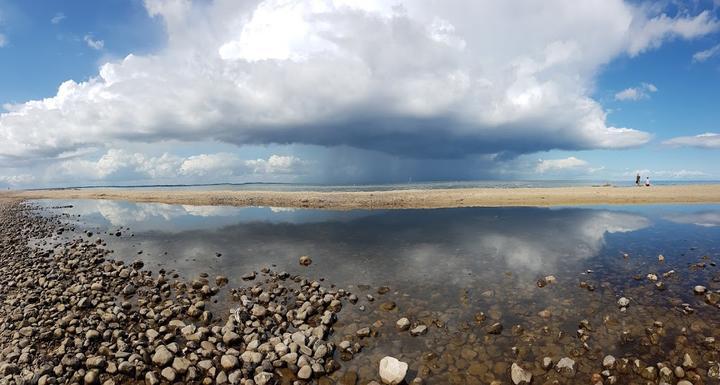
(398, 199)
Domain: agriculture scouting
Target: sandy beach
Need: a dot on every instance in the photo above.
(398, 199)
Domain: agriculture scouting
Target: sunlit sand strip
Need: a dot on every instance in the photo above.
(434, 198)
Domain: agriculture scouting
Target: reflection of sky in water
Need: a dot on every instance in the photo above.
(400, 247)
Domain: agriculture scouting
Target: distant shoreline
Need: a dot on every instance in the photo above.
(398, 199)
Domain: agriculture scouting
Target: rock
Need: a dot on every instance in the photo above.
(228, 362)
(7, 369)
(402, 324)
(652, 277)
(566, 367)
(129, 289)
(363, 332)
(712, 298)
(688, 362)
(547, 363)
(181, 365)
(714, 371)
(519, 375)
(231, 338)
(623, 302)
(91, 377)
(608, 362)
(259, 311)
(418, 330)
(495, 328)
(684, 382)
(263, 378)
(305, 372)
(699, 289)
(96, 362)
(251, 357)
(162, 357)
(305, 260)
(392, 371)
(168, 374)
(151, 378)
(221, 280)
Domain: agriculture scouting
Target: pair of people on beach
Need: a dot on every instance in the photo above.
(637, 180)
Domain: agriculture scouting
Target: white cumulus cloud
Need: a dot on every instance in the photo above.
(701, 56)
(416, 79)
(706, 140)
(93, 43)
(545, 165)
(57, 18)
(636, 93)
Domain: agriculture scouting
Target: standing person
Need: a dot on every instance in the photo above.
(647, 181)
(637, 179)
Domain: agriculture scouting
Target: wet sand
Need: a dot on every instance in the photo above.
(398, 199)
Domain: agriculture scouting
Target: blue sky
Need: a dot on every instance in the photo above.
(174, 91)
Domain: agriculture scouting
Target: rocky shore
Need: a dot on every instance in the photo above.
(72, 315)
(71, 312)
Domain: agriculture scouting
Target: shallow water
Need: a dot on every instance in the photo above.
(444, 266)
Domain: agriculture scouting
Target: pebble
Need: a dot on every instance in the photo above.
(519, 376)
(418, 330)
(566, 367)
(392, 371)
(305, 260)
(402, 324)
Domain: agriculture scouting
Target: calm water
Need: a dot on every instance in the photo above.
(405, 186)
(445, 266)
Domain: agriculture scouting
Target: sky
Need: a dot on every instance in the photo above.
(125, 92)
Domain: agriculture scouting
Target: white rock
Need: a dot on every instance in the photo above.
(609, 361)
(623, 302)
(519, 375)
(699, 289)
(392, 371)
(566, 367)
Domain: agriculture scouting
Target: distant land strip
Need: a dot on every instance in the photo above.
(398, 199)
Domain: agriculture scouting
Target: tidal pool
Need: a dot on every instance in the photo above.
(458, 271)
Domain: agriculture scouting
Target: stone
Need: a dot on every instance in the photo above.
(151, 378)
(305, 372)
(419, 330)
(305, 260)
(162, 357)
(566, 367)
(229, 362)
(129, 289)
(96, 362)
(623, 302)
(547, 363)
(392, 371)
(495, 328)
(92, 377)
(699, 289)
(688, 362)
(263, 378)
(402, 324)
(168, 374)
(608, 362)
(519, 376)
(181, 365)
(231, 338)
